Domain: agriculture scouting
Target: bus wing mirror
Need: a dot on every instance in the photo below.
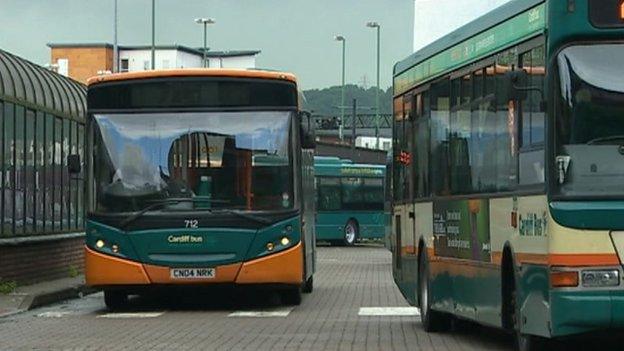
(73, 164)
(307, 130)
(516, 85)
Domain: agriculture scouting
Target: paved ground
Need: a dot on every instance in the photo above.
(328, 319)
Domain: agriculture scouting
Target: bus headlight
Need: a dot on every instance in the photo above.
(99, 244)
(600, 278)
(285, 241)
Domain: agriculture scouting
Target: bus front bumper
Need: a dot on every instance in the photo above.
(575, 312)
(285, 267)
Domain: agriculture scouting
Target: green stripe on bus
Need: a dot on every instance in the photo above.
(519, 28)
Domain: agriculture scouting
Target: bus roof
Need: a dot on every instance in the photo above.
(464, 33)
(345, 168)
(193, 72)
(319, 160)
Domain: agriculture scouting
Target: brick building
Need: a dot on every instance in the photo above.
(42, 118)
(82, 61)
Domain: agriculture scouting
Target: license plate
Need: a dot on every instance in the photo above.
(193, 273)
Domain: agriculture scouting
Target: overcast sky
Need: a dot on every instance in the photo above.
(435, 18)
(294, 35)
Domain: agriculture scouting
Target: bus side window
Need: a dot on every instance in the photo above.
(398, 135)
(439, 148)
(408, 147)
(506, 128)
(532, 117)
(421, 146)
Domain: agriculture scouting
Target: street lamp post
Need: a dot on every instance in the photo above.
(378, 27)
(153, 34)
(342, 99)
(205, 22)
(115, 47)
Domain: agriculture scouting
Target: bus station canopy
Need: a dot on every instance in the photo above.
(35, 87)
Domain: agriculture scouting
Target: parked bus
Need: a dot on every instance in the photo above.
(508, 172)
(198, 177)
(350, 201)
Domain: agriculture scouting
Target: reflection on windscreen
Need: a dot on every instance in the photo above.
(220, 160)
(591, 120)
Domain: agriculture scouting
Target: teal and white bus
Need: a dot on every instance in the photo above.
(509, 172)
(350, 200)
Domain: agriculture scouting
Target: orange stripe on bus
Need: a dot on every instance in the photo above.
(584, 260)
(408, 250)
(162, 275)
(413, 250)
(103, 269)
(562, 259)
(193, 72)
(283, 267)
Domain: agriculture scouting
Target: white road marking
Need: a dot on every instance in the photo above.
(132, 315)
(389, 311)
(280, 312)
(53, 314)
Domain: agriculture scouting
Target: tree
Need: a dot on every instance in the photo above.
(326, 102)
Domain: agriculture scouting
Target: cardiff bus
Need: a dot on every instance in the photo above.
(509, 169)
(350, 201)
(198, 177)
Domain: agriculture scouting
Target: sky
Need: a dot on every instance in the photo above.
(294, 35)
(435, 18)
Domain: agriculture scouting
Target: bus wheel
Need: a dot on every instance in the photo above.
(432, 321)
(350, 233)
(308, 286)
(292, 296)
(115, 299)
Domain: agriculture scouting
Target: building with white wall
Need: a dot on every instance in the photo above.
(83, 60)
(139, 58)
(232, 59)
(369, 142)
(436, 18)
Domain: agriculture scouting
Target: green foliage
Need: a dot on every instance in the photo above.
(7, 287)
(326, 102)
(73, 271)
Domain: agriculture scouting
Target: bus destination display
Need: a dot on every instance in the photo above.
(606, 13)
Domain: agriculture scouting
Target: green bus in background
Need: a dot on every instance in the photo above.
(509, 169)
(350, 200)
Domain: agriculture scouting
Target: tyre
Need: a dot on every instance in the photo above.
(115, 299)
(524, 342)
(336, 242)
(350, 233)
(432, 321)
(292, 296)
(308, 286)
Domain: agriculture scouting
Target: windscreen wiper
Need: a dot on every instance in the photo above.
(174, 201)
(123, 224)
(248, 216)
(605, 139)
